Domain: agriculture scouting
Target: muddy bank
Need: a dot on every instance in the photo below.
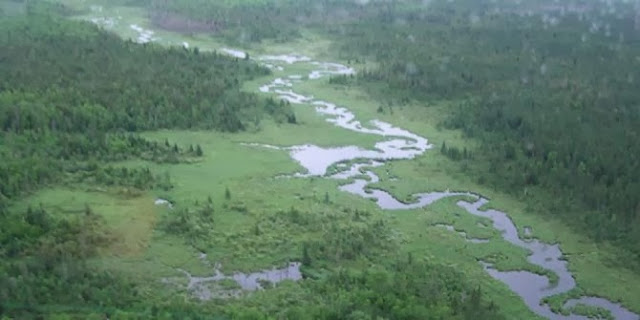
(177, 23)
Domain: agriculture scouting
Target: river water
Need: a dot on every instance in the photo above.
(207, 288)
(397, 143)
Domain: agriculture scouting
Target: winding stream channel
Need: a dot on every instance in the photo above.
(353, 162)
(397, 143)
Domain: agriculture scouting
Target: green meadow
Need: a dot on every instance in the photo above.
(435, 172)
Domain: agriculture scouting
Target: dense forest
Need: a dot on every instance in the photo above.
(73, 99)
(552, 96)
(70, 92)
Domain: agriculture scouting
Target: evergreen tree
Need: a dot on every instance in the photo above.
(306, 258)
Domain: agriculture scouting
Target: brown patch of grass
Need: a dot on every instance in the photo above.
(133, 230)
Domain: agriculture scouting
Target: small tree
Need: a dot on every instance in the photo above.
(291, 118)
(206, 213)
(306, 258)
(199, 151)
(165, 182)
(37, 217)
(227, 193)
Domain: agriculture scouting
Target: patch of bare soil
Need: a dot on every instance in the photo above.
(177, 23)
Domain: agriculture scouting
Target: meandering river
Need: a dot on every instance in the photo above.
(396, 143)
(353, 162)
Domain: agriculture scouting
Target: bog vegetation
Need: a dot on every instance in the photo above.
(553, 103)
(73, 99)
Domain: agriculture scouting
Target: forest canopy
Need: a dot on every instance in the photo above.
(70, 86)
(72, 100)
(552, 101)
(553, 98)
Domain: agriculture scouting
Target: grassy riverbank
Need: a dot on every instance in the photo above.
(258, 202)
(434, 171)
